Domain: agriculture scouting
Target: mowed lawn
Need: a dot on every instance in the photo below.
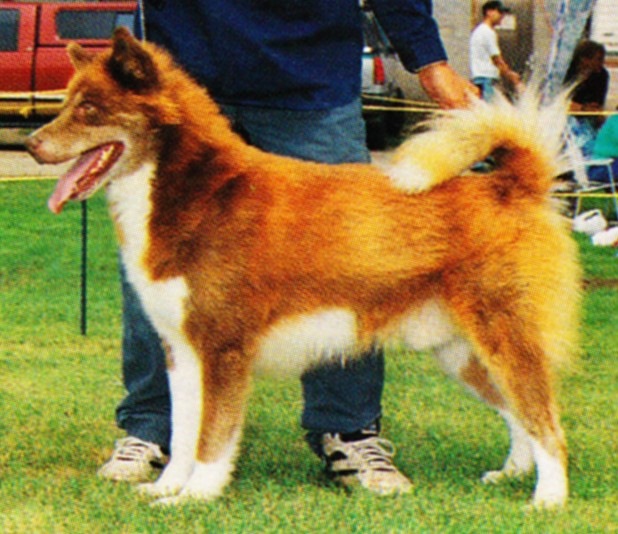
(59, 389)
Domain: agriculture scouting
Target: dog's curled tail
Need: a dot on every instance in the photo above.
(526, 137)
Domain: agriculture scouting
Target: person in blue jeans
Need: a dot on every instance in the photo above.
(287, 75)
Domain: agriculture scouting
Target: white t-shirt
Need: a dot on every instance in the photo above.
(484, 46)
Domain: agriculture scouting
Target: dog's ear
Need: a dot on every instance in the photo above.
(79, 56)
(130, 65)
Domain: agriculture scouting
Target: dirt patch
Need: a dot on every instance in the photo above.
(601, 283)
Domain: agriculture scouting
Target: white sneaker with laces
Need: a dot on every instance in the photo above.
(367, 462)
(133, 460)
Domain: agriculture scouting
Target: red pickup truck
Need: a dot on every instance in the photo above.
(34, 67)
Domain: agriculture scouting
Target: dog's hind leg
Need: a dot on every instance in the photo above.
(520, 460)
(459, 361)
(510, 348)
(520, 370)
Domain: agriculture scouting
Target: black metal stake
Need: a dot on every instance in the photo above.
(84, 269)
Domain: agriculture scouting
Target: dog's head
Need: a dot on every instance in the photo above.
(116, 103)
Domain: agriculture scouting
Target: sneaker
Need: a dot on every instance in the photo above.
(133, 460)
(364, 459)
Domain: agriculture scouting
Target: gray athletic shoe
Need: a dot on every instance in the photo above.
(363, 459)
(133, 460)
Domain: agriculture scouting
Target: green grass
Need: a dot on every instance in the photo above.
(58, 391)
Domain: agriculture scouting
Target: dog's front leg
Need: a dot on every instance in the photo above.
(185, 380)
(225, 378)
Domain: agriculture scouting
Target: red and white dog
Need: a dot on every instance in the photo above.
(242, 258)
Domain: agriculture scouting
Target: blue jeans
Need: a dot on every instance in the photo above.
(337, 398)
(487, 87)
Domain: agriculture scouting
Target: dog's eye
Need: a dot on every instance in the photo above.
(86, 110)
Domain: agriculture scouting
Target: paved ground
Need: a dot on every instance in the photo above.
(19, 164)
(15, 161)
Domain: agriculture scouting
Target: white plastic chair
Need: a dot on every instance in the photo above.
(580, 166)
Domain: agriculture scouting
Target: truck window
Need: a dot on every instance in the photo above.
(126, 19)
(9, 26)
(91, 24)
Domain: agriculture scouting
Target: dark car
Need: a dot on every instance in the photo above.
(380, 62)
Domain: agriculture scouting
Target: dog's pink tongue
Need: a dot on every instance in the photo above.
(68, 186)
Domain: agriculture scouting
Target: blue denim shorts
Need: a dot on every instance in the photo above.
(487, 86)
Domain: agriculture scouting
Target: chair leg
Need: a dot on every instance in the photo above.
(612, 184)
(578, 205)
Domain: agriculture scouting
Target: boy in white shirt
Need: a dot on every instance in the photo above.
(486, 62)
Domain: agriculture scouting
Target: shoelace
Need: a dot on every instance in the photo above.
(131, 449)
(377, 452)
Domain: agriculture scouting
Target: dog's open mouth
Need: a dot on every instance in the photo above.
(85, 176)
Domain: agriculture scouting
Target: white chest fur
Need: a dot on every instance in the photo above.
(130, 203)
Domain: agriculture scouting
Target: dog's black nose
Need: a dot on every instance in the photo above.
(32, 143)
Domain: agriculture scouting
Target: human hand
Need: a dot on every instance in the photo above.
(447, 88)
(513, 78)
(591, 106)
(520, 88)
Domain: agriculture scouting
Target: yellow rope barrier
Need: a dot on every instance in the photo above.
(585, 195)
(406, 109)
(592, 113)
(7, 179)
(417, 103)
(419, 106)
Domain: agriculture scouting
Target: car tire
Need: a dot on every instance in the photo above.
(377, 134)
(395, 120)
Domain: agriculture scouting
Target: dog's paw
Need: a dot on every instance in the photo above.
(184, 497)
(552, 498)
(156, 489)
(496, 477)
(175, 500)
(551, 504)
(166, 502)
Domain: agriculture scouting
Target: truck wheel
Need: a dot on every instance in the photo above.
(377, 134)
(396, 119)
